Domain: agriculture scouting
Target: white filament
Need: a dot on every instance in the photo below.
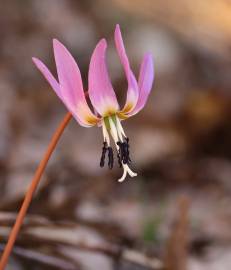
(105, 134)
(114, 133)
(119, 127)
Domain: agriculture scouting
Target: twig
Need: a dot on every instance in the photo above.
(142, 259)
(44, 237)
(43, 258)
(177, 245)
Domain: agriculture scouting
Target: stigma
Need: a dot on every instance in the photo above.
(112, 128)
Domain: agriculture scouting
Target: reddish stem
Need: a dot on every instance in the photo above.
(28, 197)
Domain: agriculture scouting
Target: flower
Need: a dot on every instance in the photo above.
(107, 113)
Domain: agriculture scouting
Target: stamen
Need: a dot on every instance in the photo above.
(113, 130)
(124, 152)
(105, 134)
(127, 150)
(104, 150)
(119, 126)
(110, 158)
(119, 159)
(120, 134)
(122, 146)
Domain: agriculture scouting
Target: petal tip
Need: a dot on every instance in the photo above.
(102, 43)
(118, 34)
(57, 44)
(148, 58)
(117, 28)
(101, 46)
(34, 59)
(55, 41)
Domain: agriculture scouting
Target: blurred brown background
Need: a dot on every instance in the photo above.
(176, 214)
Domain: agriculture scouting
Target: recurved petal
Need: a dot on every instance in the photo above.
(132, 92)
(145, 82)
(47, 74)
(100, 89)
(71, 87)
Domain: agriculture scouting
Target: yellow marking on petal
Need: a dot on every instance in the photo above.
(84, 112)
(123, 113)
(122, 116)
(91, 120)
(127, 108)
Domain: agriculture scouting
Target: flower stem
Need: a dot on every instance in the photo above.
(31, 190)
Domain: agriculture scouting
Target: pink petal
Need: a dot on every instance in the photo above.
(100, 90)
(145, 82)
(54, 84)
(47, 74)
(71, 86)
(133, 92)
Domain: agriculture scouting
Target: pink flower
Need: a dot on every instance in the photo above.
(107, 113)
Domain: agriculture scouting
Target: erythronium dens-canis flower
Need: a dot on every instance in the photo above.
(107, 113)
